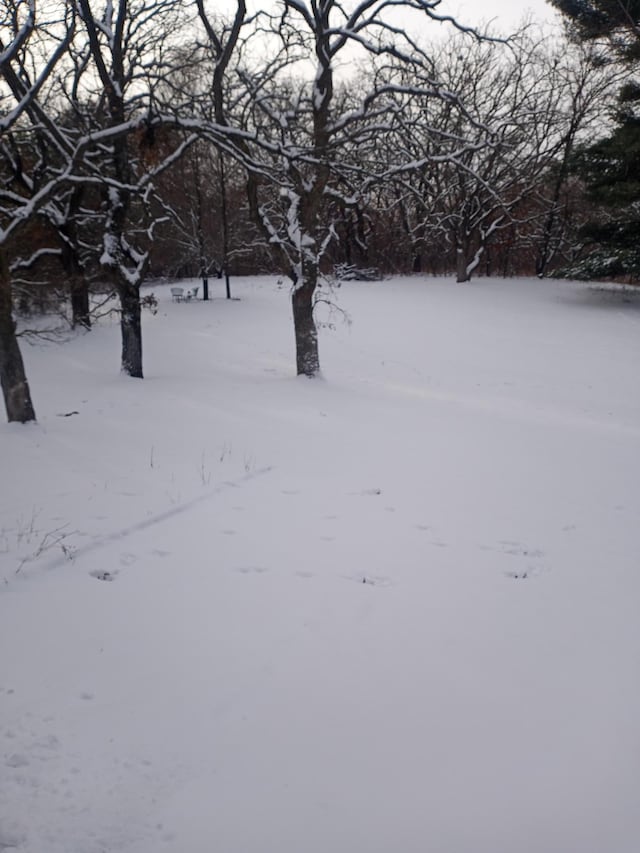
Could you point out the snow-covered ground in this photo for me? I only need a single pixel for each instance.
(395, 609)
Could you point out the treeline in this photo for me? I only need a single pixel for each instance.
(154, 137)
(481, 184)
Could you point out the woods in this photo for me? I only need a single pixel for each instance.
(157, 136)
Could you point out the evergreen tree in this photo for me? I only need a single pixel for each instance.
(616, 22)
(610, 168)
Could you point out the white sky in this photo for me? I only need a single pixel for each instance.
(507, 13)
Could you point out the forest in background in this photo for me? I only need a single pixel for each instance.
(156, 138)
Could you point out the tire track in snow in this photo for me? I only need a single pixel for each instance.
(125, 532)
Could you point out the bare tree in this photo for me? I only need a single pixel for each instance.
(124, 46)
(288, 133)
(114, 57)
(27, 63)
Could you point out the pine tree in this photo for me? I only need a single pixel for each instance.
(616, 22)
(610, 168)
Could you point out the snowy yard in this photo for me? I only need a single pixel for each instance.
(395, 610)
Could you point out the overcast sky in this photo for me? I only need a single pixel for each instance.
(507, 13)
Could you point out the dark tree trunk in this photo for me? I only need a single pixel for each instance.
(80, 309)
(131, 328)
(461, 267)
(78, 284)
(202, 253)
(306, 333)
(225, 226)
(15, 388)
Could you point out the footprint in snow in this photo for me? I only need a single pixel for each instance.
(103, 575)
(250, 570)
(16, 761)
(368, 580)
(524, 552)
(514, 549)
(11, 840)
(521, 576)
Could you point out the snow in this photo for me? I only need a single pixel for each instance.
(392, 609)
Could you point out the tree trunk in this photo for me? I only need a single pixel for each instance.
(15, 388)
(225, 226)
(80, 309)
(306, 333)
(462, 273)
(78, 284)
(131, 328)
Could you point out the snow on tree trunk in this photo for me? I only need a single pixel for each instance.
(15, 388)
